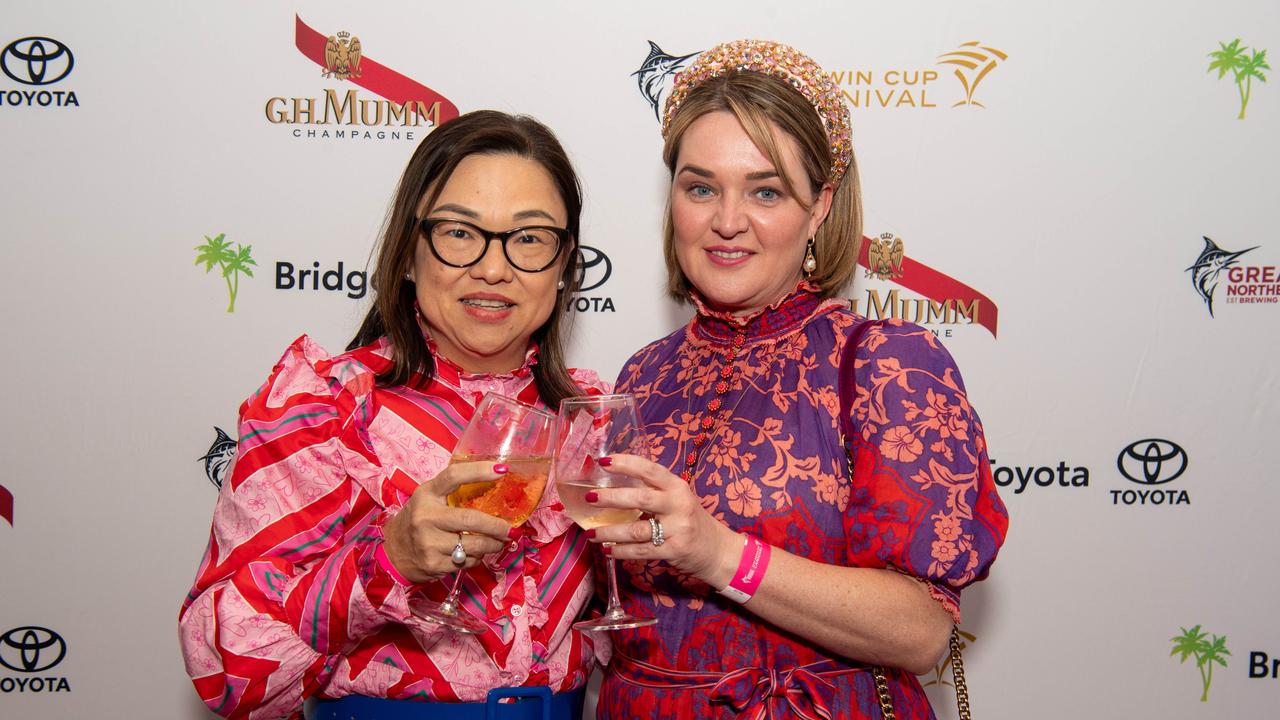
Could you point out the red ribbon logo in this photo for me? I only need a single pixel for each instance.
(920, 278)
(375, 77)
(6, 504)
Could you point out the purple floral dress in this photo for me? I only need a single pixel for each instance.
(774, 465)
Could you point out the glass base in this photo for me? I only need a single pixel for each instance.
(447, 615)
(614, 621)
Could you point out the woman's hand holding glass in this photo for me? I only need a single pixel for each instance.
(420, 539)
(693, 541)
(588, 430)
(493, 483)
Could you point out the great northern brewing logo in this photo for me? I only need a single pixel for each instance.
(923, 295)
(402, 109)
(1246, 283)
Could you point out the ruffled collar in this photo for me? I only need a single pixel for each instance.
(449, 370)
(788, 314)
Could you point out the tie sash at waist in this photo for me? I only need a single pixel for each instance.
(751, 692)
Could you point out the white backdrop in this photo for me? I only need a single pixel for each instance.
(1073, 192)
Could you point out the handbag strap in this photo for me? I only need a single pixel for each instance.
(957, 675)
(847, 388)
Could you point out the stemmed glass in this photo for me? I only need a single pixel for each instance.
(588, 429)
(502, 430)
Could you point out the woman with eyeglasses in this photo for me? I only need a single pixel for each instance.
(333, 516)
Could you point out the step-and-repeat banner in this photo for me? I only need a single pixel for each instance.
(1085, 194)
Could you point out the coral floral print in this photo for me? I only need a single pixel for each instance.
(921, 501)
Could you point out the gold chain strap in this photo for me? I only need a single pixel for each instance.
(882, 690)
(957, 674)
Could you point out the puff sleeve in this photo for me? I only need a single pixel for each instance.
(923, 499)
(290, 578)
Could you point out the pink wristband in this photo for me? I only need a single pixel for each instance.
(751, 568)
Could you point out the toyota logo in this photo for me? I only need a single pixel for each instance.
(31, 649)
(36, 60)
(1152, 461)
(594, 268)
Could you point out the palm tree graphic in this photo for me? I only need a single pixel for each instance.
(1244, 68)
(1193, 642)
(217, 251)
(973, 61)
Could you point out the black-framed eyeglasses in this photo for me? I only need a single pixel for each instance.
(460, 244)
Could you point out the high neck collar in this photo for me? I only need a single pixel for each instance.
(783, 317)
(448, 369)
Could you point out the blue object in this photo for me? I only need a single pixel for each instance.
(531, 703)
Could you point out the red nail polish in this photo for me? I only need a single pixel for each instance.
(514, 533)
(592, 496)
(501, 468)
(591, 533)
(605, 461)
(607, 549)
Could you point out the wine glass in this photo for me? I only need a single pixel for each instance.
(587, 429)
(502, 430)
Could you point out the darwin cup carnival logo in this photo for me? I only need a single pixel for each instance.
(37, 61)
(1151, 462)
(1246, 284)
(221, 452)
(28, 650)
(971, 64)
(403, 109)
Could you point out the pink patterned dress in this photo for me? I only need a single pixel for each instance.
(295, 597)
(921, 502)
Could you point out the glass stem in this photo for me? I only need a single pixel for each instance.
(450, 605)
(615, 606)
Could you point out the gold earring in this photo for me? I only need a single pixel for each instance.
(810, 262)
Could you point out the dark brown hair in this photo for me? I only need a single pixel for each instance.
(757, 100)
(483, 132)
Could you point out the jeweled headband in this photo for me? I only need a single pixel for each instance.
(780, 61)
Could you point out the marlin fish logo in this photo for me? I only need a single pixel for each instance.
(652, 77)
(220, 455)
(1212, 261)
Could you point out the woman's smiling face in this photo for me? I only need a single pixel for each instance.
(482, 316)
(740, 235)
